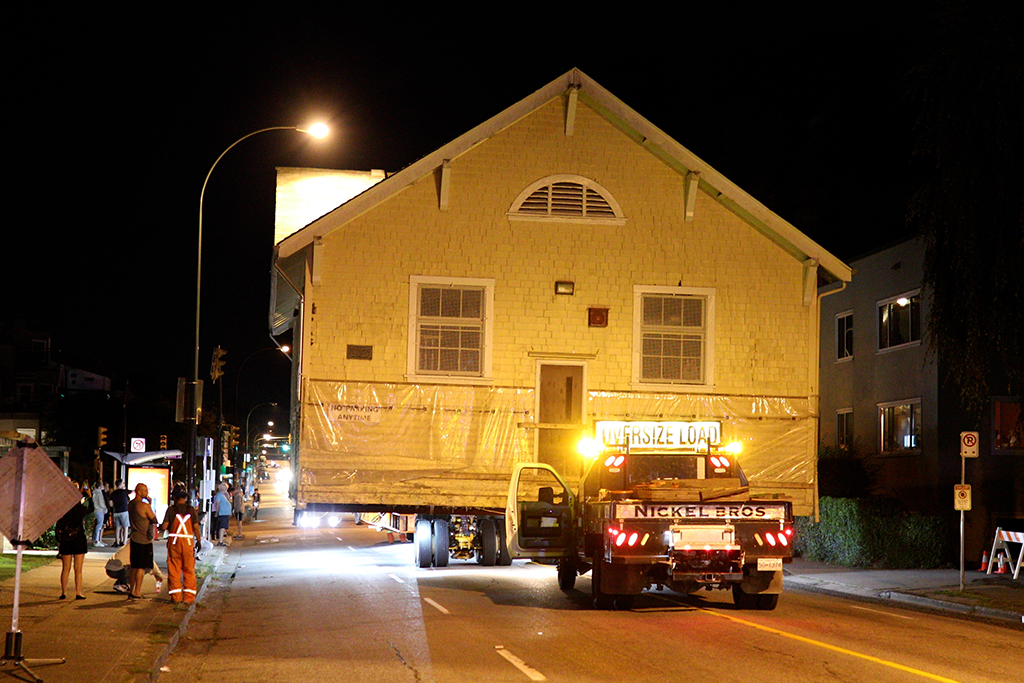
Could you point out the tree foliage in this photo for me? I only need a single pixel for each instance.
(968, 95)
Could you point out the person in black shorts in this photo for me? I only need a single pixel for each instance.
(143, 524)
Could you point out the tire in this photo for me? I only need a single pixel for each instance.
(440, 542)
(424, 543)
(488, 542)
(566, 574)
(743, 600)
(767, 602)
(602, 600)
(624, 602)
(504, 558)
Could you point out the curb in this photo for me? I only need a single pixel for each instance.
(989, 613)
(978, 610)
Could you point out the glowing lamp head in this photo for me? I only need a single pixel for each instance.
(735, 448)
(317, 130)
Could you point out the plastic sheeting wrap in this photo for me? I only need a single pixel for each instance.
(409, 445)
(455, 446)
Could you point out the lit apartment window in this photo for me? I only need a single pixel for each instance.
(672, 334)
(844, 336)
(449, 326)
(844, 428)
(900, 425)
(899, 321)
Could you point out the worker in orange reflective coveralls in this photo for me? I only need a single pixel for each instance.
(182, 521)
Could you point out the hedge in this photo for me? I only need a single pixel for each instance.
(872, 532)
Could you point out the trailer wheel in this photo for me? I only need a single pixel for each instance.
(602, 600)
(440, 542)
(504, 557)
(424, 549)
(566, 574)
(767, 602)
(488, 542)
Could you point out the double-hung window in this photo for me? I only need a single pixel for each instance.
(450, 326)
(899, 425)
(844, 428)
(844, 336)
(899, 321)
(673, 333)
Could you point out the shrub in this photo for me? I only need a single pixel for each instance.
(872, 532)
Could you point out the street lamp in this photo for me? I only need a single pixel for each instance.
(317, 130)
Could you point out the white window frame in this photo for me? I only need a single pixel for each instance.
(416, 282)
(881, 425)
(848, 413)
(708, 293)
(841, 338)
(892, 300)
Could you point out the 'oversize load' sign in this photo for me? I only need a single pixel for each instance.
(756, 511)
(659, 435)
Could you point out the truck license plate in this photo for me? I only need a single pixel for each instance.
(769, 564)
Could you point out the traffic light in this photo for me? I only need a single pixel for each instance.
(101, 436)
(217, 367)
(225, 445)
(235, 436)
(163, 442)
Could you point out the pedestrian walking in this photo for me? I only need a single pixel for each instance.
(222, 506)
(182, 521)
(255, 504)
(72, 544)
(119, 505)
(143, 526)
(99, 511)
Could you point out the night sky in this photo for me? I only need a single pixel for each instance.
(119, 121)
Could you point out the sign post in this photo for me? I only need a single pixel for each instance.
(962, 492)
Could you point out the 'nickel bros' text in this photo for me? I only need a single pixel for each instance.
(709, 511)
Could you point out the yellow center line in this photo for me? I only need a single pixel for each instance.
(811, 641)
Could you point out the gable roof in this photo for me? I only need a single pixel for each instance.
(634, 126)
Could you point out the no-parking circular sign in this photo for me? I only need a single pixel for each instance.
(968, 444)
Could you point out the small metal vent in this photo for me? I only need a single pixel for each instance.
(359, 352)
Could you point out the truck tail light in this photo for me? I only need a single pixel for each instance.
(720, 461)
(628, 539)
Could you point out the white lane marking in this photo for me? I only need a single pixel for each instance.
(436, 606)
(396, 578)
(352, 548)
(878, 611)
(340, 539)
(530, 672)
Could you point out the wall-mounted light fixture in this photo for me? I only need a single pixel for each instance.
(565, 287)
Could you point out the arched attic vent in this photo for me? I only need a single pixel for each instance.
(566, 198)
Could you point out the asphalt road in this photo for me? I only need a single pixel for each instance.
(344, 605)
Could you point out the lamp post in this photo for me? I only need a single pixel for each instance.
(248, 434)
(317, 130)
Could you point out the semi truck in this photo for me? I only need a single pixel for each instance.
(650, 514)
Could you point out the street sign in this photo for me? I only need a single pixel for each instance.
(968, 444)
(138, 445)
(962, 497)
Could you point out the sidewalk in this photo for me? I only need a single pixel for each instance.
(991, 597)
(104, 638)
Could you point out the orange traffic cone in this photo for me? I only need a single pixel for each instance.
(1004, 566)
(984, 561)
